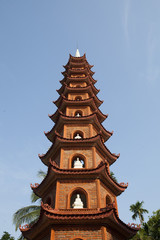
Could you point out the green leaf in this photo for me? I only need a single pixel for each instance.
(35, 198)
(26, 215)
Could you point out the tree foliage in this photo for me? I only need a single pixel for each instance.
(6, 236)
(151, 229)
(138, 211)
(30, 214)
(113, 176)
(153, 225)
(27, 214)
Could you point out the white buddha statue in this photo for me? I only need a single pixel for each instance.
(78, 202)
(78, 115)
(77, 136)
(78, 163)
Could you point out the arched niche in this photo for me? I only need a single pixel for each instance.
(78, 135)
(73, 195)
(108, 200)
(78, 98)
(80, 158)
(77, 238)
(78, 113)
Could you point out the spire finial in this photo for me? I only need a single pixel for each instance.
(77, 53)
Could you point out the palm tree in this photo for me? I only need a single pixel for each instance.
(138, 211)
(29, 214)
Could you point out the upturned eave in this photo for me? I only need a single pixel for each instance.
(65, 88)
(77, 60)
(101, 117)
(88, 79)
(83, 64)
(55, 173)
(72, 103)
(84, 70)
(62, 98)
(50, 218)
(90, 119)
(96, 141)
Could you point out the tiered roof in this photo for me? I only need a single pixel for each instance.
(65, 89)
(101, 117)
(78, 70)
(92, 118)
(60, 142)
(74, 217)
(61, 101)
(56, 173)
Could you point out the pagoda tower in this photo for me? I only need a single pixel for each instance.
(79, 196)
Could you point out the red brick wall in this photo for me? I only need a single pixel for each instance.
(68, 154)
(72, 110)
(94, 234)
(82, 84)
(51, 194)
(86, 152)
(98, 158)
(95, 132)
(113, 236)
(109, 236)
(73, 96)
(66, 188)
(71, 129)
(104, 192)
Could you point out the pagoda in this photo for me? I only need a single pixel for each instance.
(79, 196)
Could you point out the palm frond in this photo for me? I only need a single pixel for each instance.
(34, 197)
(41, 174)
(26, 215)
(138, 211)
(134, 216)
(145, 210)
(133, 208)
(29, 214)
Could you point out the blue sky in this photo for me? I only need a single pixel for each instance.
(121, 39)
